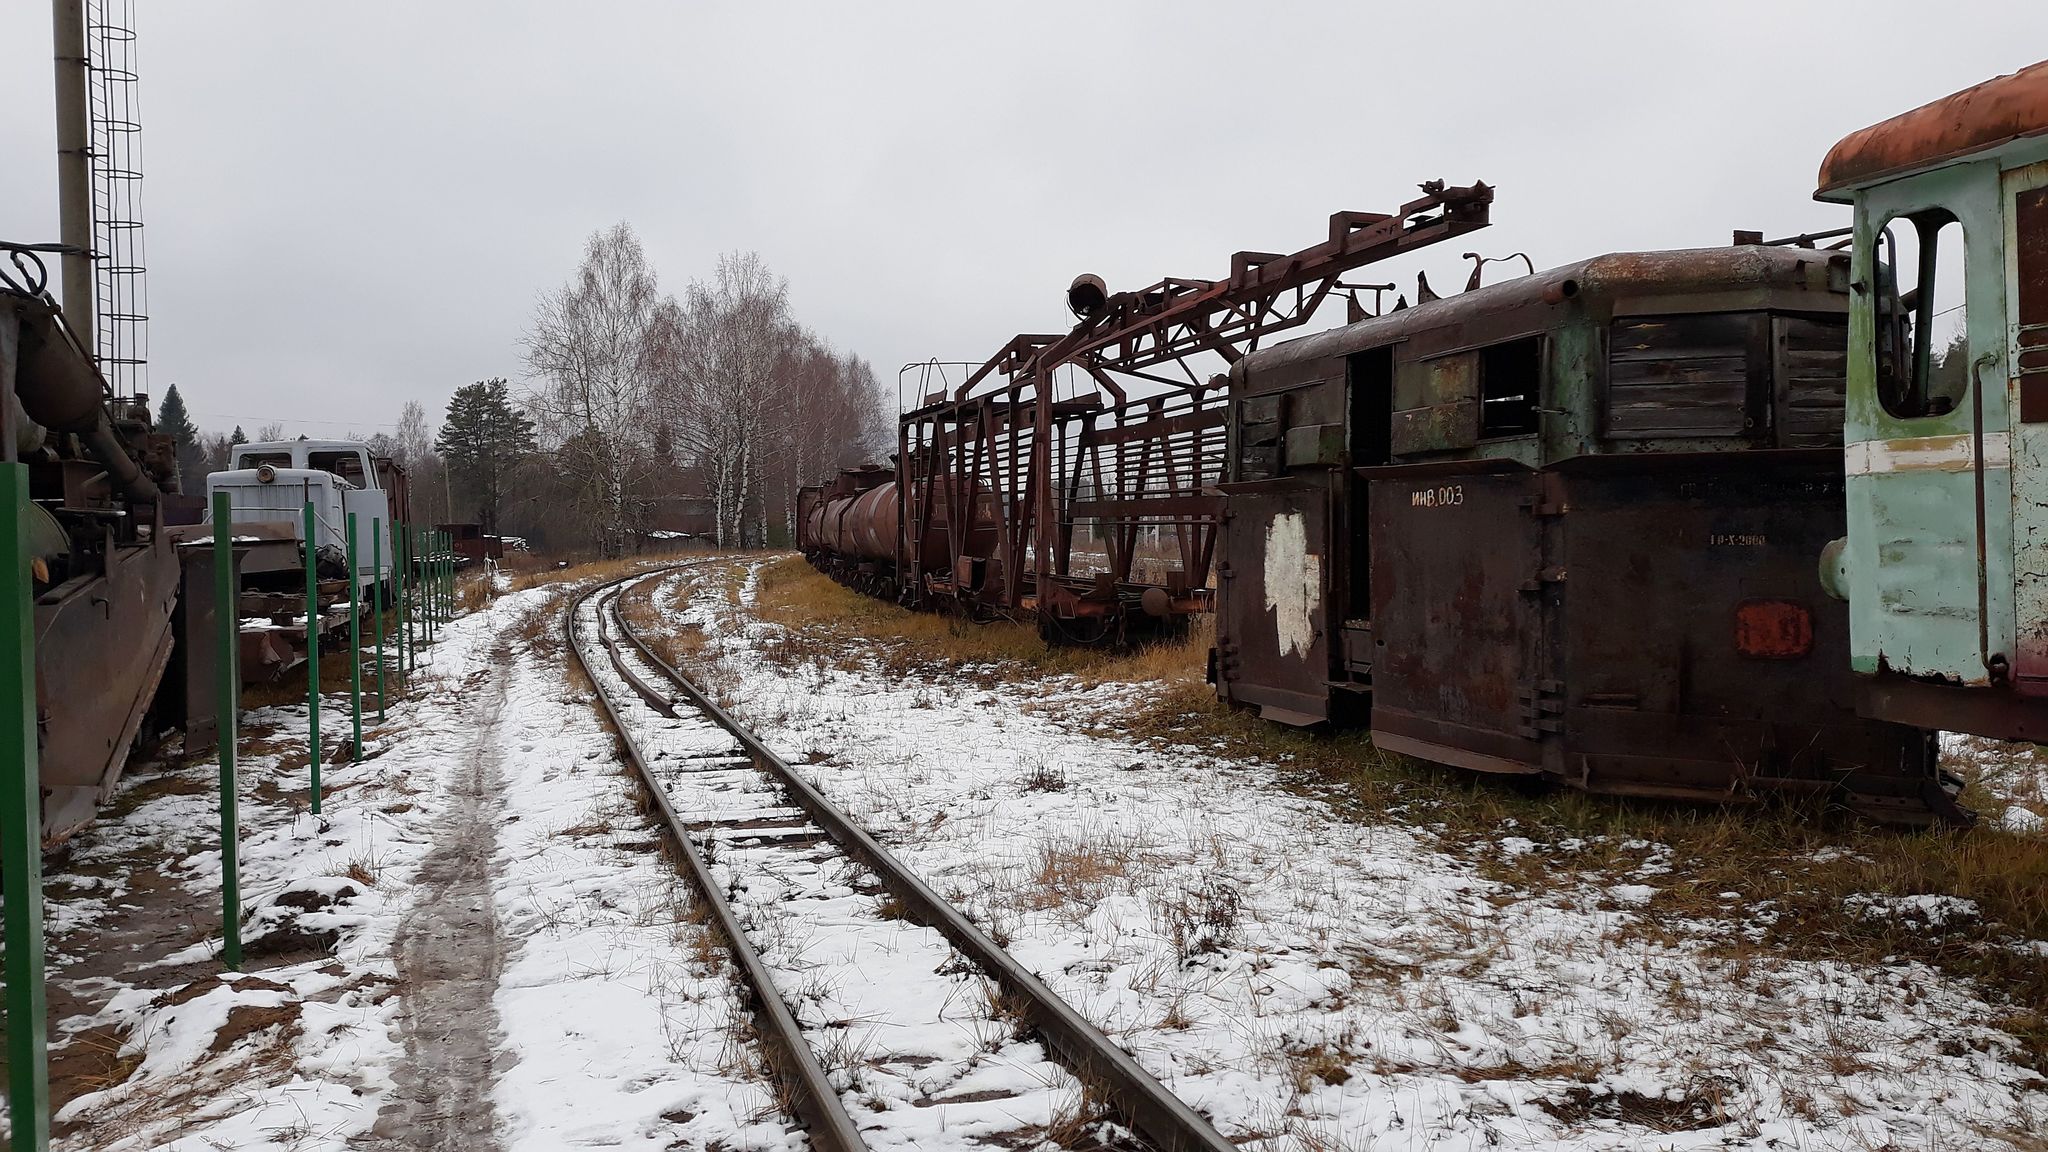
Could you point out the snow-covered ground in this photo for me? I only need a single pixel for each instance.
(911, 1034)
(1317, 983)
(606, 1015)
(297, 1046)
(478, 943)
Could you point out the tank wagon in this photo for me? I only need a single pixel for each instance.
(849, 528)
(1945, 559)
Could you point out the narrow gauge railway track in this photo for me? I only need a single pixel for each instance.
(715, 785)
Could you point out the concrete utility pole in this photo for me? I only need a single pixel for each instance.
(74, 170)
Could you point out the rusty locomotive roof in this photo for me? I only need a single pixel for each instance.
(2011, 107)
(1670, 272)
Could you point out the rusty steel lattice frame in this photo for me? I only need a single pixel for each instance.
(1131, 451)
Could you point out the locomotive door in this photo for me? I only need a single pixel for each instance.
(1458, 582)
(1927, 452)
(2026, 277)
(1271, 628)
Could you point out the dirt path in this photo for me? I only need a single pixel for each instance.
(449, 958)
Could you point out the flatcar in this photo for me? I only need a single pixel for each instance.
(1566, 525)
(1945, 559)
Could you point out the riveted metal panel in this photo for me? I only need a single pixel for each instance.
(1458, 585)
(1728, 672)
(1272, 622)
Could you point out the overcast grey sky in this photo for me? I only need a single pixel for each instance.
(352, 205)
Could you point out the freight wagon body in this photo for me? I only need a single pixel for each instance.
(1566, 525)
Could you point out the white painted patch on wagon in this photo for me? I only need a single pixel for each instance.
(1293, 591)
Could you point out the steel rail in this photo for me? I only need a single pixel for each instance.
(815, 1100)
(1154, 1112)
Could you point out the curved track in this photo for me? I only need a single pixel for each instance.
(723, 754)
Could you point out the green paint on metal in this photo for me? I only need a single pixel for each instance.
(228, 723)
(313, 654)
(377, 605)
(401, 550)
(1913, 551)
(21, 826)
(427, 583)
(355, 643)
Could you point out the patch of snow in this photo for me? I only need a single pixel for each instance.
(1931, 908)
(1311, 981)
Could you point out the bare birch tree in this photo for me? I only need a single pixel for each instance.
(721, 349)
(592, 348)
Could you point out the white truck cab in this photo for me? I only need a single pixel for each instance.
(269, 486)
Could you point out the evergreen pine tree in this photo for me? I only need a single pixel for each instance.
(483, 436)
(173, 421)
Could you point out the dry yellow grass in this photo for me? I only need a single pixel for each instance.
(825, 621)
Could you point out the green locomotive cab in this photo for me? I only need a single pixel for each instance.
(1945, 565)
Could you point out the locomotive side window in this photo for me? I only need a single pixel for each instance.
(1259, 430)
(1683, 376)
(1510, 382)
(1922, 346)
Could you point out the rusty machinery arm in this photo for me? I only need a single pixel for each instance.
(1265, 293)
(1127, 333)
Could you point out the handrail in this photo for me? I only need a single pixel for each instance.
(1994, 663)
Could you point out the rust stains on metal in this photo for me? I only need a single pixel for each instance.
(2010, 107)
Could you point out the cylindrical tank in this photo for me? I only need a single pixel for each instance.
(871, 524)
(863, 526)
(814, 527)
(982, 523)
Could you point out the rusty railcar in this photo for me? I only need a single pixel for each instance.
(1070, 478)
(851, 528)
(1566, 525)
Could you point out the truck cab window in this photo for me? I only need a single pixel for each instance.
(347, 465)
(1922, 343)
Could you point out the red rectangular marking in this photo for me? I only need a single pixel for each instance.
(1773, 629)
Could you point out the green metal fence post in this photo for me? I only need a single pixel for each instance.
(21, 826)
(440, 602)
(419, 591)
(440, 585)
(313, 653)
(355, 641)
(377, 604)
(401, 553)
(227, 710)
